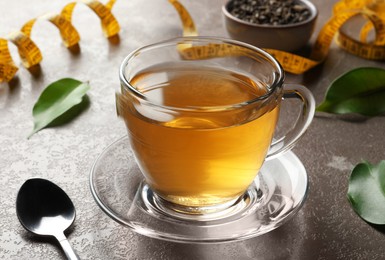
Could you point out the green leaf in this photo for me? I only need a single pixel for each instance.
(366, 192)
(59, 103)
(72, 113)
(360, 91)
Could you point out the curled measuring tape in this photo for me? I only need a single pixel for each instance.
(108, 21)
(189, 28)
(68, 33)
(7, 67)
(343, 11)
(30, 53)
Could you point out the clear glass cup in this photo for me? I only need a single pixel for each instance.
(201, 114)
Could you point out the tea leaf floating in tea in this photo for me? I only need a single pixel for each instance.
(59, 103)
(360, 91)
(366, 192)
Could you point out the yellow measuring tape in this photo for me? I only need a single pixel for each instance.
(68, 33)
(108, 21)
(373, 11)
(187, 22)
(7, 67)
(29, 52)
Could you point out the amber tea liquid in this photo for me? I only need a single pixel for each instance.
(198, 158)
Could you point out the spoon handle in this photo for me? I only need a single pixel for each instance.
(67, 248)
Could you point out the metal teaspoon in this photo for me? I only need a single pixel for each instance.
(43, 208)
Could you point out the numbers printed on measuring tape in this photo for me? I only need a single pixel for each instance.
(7, 67)
(29, 52)
(372, 10)
(109, 23)
(68, 33)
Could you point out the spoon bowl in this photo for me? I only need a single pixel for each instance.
(44, 209)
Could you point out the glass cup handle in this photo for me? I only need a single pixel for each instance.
(286, 142)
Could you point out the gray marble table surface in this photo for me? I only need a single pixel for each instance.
(325, 228)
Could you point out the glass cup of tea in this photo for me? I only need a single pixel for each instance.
(201, 114)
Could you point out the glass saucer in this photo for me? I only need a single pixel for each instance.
(276, 194)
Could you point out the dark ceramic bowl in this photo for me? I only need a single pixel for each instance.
(290, 37)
